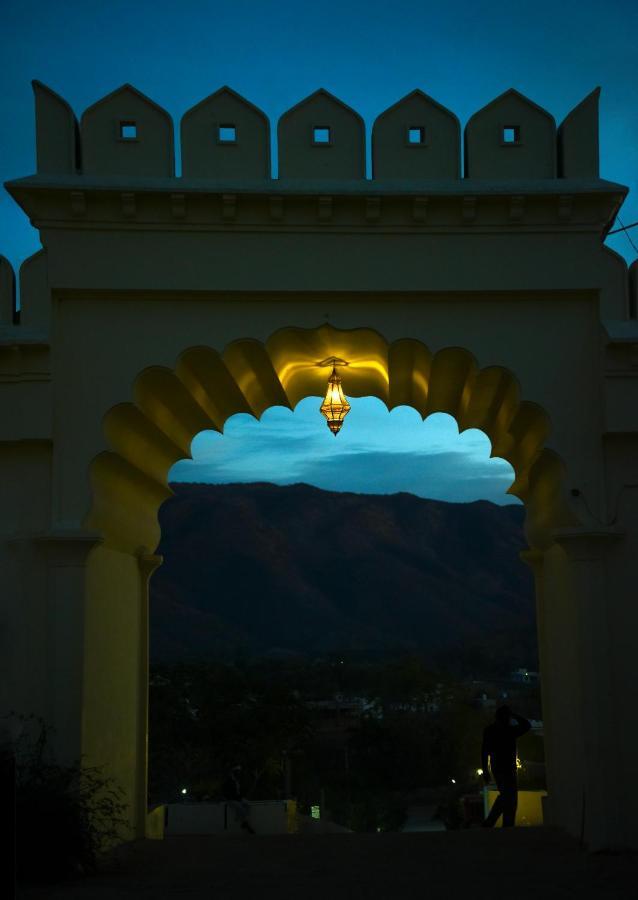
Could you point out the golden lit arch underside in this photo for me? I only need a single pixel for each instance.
(205, 388)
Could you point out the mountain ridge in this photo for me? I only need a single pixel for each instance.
(259, 569)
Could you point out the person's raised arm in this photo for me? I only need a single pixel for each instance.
(522, 725)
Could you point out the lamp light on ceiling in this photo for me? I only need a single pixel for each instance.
(335, 406)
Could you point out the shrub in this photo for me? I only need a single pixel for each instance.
(66, 816)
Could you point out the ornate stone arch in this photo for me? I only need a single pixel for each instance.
(147, 436)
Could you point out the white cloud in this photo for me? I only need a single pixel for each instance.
(375, 452)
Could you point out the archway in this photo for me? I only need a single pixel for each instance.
(171, 406)
(507, 262)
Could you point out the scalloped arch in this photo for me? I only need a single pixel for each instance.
(170, 406)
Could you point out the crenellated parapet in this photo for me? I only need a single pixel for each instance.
(110, 180)
(225, 137)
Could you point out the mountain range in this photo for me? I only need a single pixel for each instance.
(253, 570)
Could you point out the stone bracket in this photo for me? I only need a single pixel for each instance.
(229, 207)
(517, 208)
(324, 209)
(276, 208)
(420, 209)
(129, 205)
(373, 210)
(77, 200)
(178, 206)
(468, 209)
(565, 204)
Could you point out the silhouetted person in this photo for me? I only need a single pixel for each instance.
(499, 752)
(235, 799)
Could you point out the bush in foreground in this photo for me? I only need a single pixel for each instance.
(65, 815)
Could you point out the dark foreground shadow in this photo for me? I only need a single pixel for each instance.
(529, 862)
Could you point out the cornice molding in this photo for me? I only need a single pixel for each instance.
(555, 205)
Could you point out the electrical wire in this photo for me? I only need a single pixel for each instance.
(626, 230)
(624, 227)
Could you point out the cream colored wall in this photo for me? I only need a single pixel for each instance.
(25, 491)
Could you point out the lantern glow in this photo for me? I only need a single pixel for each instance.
(335, 406)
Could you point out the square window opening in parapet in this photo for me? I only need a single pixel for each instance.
(416, 135)
(511, 134)
(128, 131)
(321, 135)
(227, 134)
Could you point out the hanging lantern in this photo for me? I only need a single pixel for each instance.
(335, 406)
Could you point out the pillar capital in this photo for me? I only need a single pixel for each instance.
(66, 548)
(148, 562)
(582, 544)
(534, 559)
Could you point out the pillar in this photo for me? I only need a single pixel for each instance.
(535, 560)
(602, 789)
(148, 563)
(65, 553)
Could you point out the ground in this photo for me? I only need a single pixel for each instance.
(520, 864)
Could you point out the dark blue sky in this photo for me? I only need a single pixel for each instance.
(369, 54)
